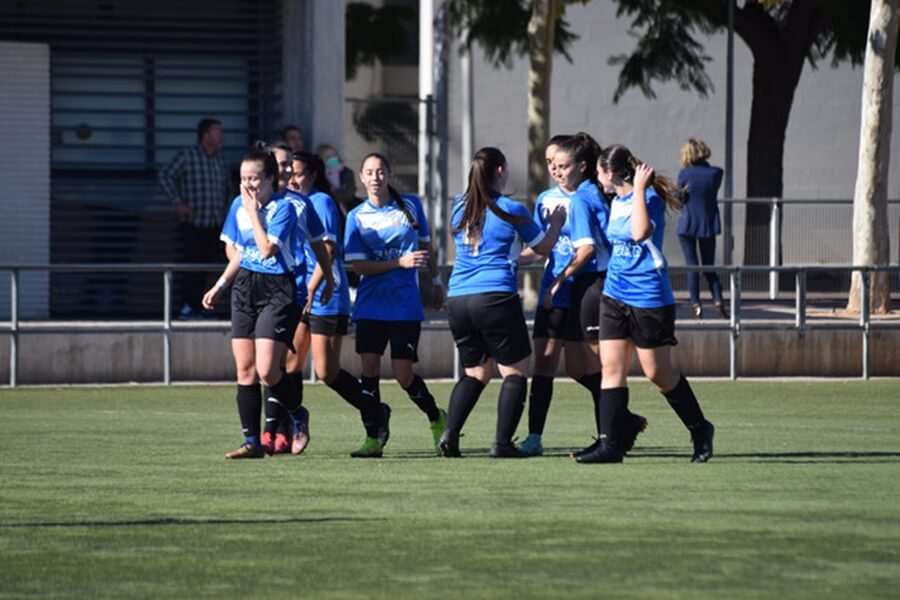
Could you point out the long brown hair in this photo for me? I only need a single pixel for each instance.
(393, 193)
(313, 165)
(619, 160)
(479, 197)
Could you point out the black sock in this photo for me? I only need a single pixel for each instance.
(348, 387)
(592, 384)
(612, 402)
(419, 394)
(276, 416)
(682, 400)
(539, 403)
(370, 387)
(510, 406)
(463, 399)
(372, 414)
(286, 394)
(249, 404)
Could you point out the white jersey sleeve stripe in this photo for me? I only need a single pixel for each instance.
(586, 241)
(537, 239)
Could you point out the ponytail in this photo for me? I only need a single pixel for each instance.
(479, 196)
(619, 161)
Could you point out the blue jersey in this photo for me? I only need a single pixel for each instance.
(280, 221)
(638, 274)
(381, 234)
(491, 265)
(590, 217)
(328, 214)
(564, 249)
(309, 229)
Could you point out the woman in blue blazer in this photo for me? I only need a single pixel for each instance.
(699, 224)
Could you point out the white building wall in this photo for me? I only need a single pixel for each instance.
(822, 138)
(25, 172)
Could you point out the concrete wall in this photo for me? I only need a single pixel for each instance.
(114, 358)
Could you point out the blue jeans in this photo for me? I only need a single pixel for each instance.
(707, 247)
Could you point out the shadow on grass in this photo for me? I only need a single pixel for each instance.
(836, 456)
(158, 522)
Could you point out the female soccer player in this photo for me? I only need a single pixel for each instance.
(383, 240)
(308, 241)
(569, 313)
(484, 308)
(323, 324)
(638, 313)
(262, 227)
(576, 171)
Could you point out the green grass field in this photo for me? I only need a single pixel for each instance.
(123, 492)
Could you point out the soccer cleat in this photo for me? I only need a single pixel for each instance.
(283, 443)
(587, 450)
(371, 448)
(437, 429)
(448, 445)
(532, 445)
(384, 432)
(635, 425)
(603, 453)
(301, 432)
(506, 450)
(702, 437)
(247, 450)
(268, 443)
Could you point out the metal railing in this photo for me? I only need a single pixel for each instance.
(735, 325)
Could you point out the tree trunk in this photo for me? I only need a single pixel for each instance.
(779, 52)
(870, 229)
(540, 33)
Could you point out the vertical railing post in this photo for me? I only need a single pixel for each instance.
(735, 284)
(774, 218)
(167, 327)
(864, 320)
(800, 290)
(13, 327)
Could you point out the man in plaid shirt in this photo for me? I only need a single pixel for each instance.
(196, 181)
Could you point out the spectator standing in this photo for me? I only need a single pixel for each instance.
(699, 223)
(197, 183)
(294, 138)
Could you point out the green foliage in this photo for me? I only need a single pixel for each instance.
(374, 34)
(122, 492)
(669, 48)
(500, 27)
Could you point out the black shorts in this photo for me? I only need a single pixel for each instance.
(372, 337)
(550, 323)
(330, 325)
(648, 327)
(586, 291)
(488, 325)
(262, 306)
